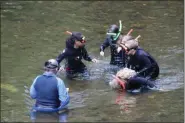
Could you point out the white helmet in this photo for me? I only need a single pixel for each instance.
(51, 64)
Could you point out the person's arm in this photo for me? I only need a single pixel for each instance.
(105, 44)
(130, 63)
(33, 92)
(61, 56)
(146, 63)
(62, 91)
(141, 81)
(86, 55)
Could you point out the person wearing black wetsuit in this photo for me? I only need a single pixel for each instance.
(141, 61)
(117, 58)
(74, 52)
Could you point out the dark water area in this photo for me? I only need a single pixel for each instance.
(33, 31)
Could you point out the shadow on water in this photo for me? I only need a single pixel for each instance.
(32, 32)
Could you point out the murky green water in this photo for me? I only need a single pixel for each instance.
(32, 32)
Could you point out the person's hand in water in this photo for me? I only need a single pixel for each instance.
(95, 60)
(101, 53)
(61, 69)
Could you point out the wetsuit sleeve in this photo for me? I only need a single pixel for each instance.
(62, 91)
(33, 92)
(86, 55)
(141, 81)
(61, 56)
(105, 44)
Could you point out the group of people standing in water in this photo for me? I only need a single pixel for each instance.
(50, 91)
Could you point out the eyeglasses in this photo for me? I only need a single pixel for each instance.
(128, 49)
(125, 47)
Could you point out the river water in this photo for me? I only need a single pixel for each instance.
(33, 31)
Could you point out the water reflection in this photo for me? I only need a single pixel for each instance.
(125, 102)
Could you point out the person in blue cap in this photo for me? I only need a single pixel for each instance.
(48, 90)
(74, 52)
(113, 37)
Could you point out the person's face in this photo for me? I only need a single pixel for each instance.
(130, 52)
(127, 50)
(113, 37)
(80, 43)
(55, 70)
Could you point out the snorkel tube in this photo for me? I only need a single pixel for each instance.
(116, 35)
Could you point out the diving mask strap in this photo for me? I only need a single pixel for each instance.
(114, 34)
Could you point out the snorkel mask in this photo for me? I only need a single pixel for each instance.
(116, 35)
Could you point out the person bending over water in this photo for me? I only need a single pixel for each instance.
(140, 60)
(128, 79)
